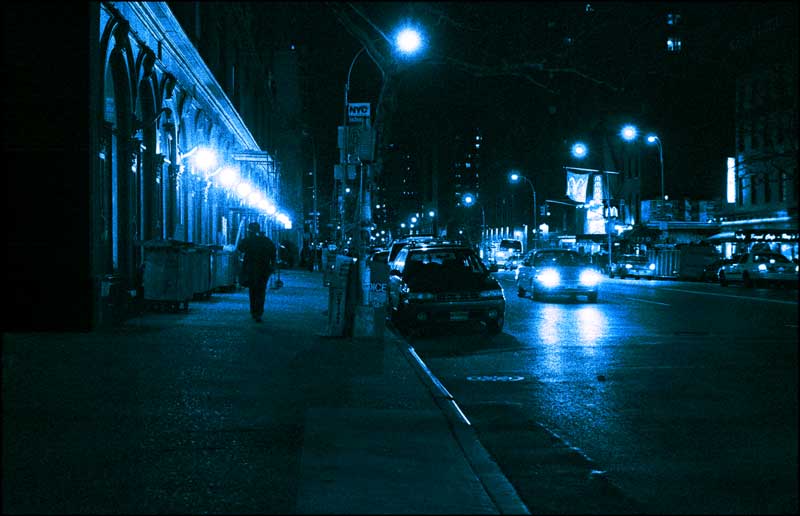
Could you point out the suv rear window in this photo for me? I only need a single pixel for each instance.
(514, 245)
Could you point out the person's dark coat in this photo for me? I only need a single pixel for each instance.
(259, 258)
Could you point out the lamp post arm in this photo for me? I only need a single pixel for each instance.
(661, 162)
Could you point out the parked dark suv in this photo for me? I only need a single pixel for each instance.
(443, 283)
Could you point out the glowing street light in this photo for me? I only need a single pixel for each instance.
(514, 177)
(579, 150)
(468, 199)
(408, 41)
(629, 132)
(228, 177)
(205, 159)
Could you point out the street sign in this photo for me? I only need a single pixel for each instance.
(356, 111)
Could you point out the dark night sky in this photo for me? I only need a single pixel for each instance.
(688, 99)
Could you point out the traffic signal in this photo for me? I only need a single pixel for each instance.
(543, 211)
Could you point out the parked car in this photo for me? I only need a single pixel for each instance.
(711, 271)
(400, 243)
(633, 265)
(548, 272)
(757, 269)
(439, 283)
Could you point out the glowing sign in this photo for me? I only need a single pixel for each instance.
(731, 180)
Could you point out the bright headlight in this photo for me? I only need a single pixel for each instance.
(590, 278)
(652, 266)
(549, 278)
(628, 266)
(762, 266)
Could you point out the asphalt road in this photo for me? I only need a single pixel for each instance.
(664, 397)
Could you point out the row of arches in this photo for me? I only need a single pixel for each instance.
(144, 185)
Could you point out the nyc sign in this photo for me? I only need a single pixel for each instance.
(357, 111)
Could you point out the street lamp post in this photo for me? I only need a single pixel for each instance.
(366, 324)
(469, 200)
(655, 139)
(515, 177)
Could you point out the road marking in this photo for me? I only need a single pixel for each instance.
(733, 296)
(646, 301)
(495, 378)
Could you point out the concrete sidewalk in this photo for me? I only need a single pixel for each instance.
(207, 411)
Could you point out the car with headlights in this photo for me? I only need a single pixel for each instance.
(633, 266)
(756, 269)
(442, 283)
(550, 272)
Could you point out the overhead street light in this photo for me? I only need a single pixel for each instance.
(514, 177)
(579, 150)
(655, 139)
(407, 42)
(629, 132)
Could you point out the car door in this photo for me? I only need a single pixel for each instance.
(737, 268)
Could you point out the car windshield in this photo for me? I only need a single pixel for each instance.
(511, 245)
(443, 262)
(557, 258)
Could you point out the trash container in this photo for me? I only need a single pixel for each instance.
(223, 272)
(340, 279)
(200, 257)
(167, 275)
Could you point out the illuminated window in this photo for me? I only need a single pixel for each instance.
(674, 44)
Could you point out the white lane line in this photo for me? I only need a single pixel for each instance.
(646, 301)
(779, 301)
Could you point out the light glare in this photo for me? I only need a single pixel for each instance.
(408, 41)
(629, 132)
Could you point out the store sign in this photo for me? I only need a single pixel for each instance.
(765, 236)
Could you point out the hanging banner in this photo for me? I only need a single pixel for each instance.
(576, 186)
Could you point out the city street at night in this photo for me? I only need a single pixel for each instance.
(401, 257)
(677, 397)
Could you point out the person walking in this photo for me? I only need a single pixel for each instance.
(257, 266)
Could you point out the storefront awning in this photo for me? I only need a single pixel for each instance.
(725, 236)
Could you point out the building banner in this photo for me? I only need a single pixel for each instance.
(576, 186)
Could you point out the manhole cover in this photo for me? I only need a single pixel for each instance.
(495, 378)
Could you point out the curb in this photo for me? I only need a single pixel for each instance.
(491, 477)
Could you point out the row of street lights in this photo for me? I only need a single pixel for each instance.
(205, 160)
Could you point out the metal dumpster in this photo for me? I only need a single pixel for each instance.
(167, 275)
(200, 258)
(223, 268)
